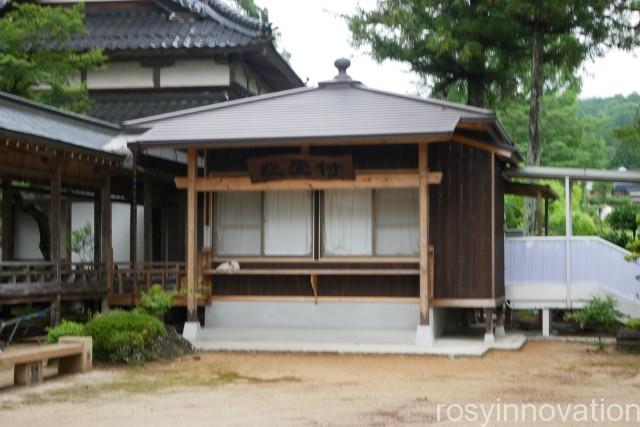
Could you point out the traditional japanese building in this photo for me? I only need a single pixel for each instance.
(167, 55)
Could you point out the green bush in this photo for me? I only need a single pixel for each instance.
(124, 336)
(633, 324)
(65, 328)
(601, 314)
(156, 302)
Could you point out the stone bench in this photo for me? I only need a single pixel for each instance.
(74, 355)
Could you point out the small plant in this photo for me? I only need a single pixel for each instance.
(156, 302)
(633, 324)
(81, 243)
(65, 328)
(601, 314)
(202, 290)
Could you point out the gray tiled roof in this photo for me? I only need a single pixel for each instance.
(137, 28)
(340, 108)
(24, 117)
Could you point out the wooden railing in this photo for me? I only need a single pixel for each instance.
(131, 279)
(25, 279)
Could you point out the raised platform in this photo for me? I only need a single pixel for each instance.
(358, 341)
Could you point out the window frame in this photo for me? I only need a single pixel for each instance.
(262, 256)
(374, 257)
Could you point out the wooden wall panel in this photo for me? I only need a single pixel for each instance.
(460, 220)
(499, 230)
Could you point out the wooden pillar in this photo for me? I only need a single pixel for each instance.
(7, 219)
(106, 251)
(192, 303)
(148, 219)
(423, 165)
(97, 227)
(55, 209)
(546, 216)
(133, 218)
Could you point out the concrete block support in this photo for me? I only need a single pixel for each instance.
(426, 334)
(489, 337)
(191, 331)
(546, 322)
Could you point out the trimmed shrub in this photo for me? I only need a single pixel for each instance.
(65, 328)
(124, 336)
(156, 302)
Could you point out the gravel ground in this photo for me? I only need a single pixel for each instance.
(230, 389)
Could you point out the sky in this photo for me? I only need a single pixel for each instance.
(315, 35)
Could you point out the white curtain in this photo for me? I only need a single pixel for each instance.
(288, 223)
(397, 222)
(238, 217)
(347, 222)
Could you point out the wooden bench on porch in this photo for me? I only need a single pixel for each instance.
(74, 355)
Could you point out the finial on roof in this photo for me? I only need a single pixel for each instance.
(342, 64)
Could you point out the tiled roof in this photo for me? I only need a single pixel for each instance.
(137, 28)
(25, 117)
(118, 107)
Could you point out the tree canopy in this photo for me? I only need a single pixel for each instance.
(463, 45)
(29, 67)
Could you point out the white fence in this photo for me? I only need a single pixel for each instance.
(536, 272)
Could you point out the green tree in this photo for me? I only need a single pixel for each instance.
(570, 139)
(561, 35)
(34, 62)
(624, 218)
(463, 46)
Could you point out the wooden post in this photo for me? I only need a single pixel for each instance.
(148, 219)
(133, 218)
(55, 209)
(423, 165)
(192, 303)
(105, 222)
(7, 218)
(97, 227)
(546, 217)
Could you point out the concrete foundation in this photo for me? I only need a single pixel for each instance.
(191, 331)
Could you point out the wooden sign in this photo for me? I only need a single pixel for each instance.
(296, 166)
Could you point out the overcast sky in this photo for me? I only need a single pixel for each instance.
(315, 35)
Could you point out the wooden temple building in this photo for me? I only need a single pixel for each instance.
(258, 200)
(339, 195)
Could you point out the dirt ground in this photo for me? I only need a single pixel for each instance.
(234, 389)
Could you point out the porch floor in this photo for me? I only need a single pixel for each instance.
(366, 341)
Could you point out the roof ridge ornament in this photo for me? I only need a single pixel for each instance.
(342, 64)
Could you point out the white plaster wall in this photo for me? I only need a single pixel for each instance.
(27, 237)
(194, 73)
(256, 85)
(83, 212)
(120, 232)
(116, 75)
(306, 314)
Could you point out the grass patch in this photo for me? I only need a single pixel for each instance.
(618, 365)
(142, 380)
